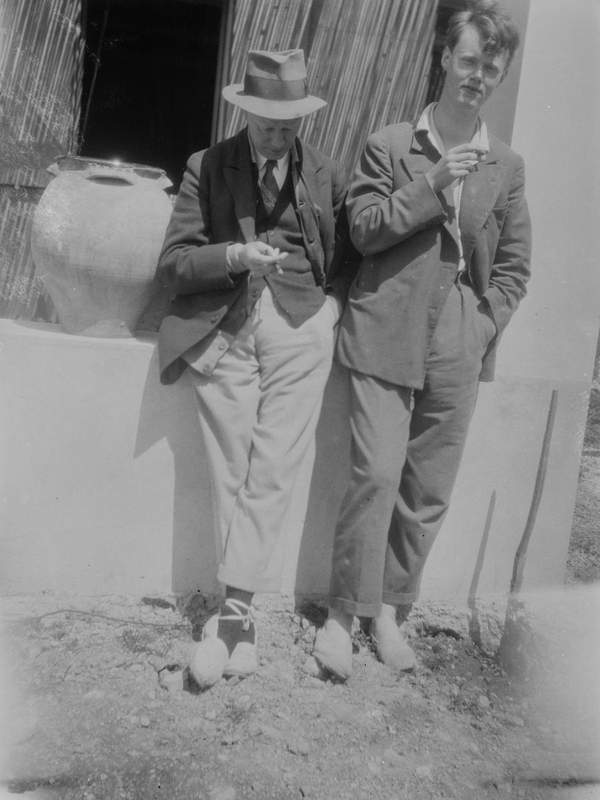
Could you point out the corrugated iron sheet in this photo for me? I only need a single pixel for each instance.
(40, 76)
(370, 59)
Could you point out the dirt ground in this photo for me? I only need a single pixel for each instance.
(98, 706)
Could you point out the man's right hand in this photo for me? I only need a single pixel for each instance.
(458, 162)
(257, 258)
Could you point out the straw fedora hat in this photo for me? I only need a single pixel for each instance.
(274, 86)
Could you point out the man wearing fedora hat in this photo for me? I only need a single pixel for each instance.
(249, 255)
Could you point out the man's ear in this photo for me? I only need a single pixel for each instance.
(445, 60)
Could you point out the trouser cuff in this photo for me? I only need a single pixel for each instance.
(399, 598)
(354, 607)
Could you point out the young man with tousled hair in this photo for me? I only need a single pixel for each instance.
(438, 212)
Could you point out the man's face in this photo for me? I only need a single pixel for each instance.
(272, 137)
(471, 74)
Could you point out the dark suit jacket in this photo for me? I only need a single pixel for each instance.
(215, 207)
(408, 240)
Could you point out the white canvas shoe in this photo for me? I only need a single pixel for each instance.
(333, 646)
(243, 660)
(208, 659)
(391, 643)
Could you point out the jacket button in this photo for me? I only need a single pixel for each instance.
(222, 345)
(206, 369)
(214, 318)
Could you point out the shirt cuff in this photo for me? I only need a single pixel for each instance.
(232, 258)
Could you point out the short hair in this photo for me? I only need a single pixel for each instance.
(498, 31)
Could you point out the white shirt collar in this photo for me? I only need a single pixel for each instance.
(260, 160)
(426, 123)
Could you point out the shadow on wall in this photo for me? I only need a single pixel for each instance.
(327, 487)
(169, 412)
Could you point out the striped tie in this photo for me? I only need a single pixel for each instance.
(268, 186)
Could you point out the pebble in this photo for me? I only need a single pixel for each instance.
(269, 732)
(374, 766)
(94, 694)
(170, 681)
(243, 703)
(393, 759)
(424, 771)
(311, 667)
(144, 721)
(299, 747)
(483, 701)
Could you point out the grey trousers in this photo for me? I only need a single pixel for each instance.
(405, 453)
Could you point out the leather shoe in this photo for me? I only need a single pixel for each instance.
(333, 649)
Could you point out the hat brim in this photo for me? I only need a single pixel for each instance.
(271, 109)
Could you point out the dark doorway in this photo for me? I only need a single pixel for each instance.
(150, 70)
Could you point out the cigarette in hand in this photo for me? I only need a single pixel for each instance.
(280, 256)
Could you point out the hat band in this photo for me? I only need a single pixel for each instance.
(269, 89)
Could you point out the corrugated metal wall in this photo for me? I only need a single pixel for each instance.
(40, 63)
(370, 59)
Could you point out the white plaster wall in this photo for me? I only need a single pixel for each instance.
(104, 487)
(101, 483)
(557, 131)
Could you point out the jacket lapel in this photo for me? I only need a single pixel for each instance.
(479, 194)
(421, 157)
(239, 177)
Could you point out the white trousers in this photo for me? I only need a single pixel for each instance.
(258, 414)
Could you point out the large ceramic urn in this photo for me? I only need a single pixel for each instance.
(95, 240)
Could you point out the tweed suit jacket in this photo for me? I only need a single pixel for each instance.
(216, 206)
(409, 244)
